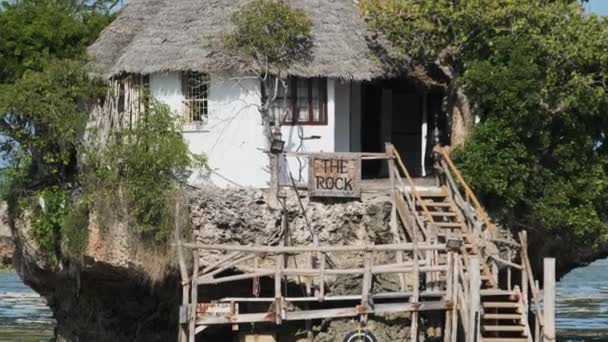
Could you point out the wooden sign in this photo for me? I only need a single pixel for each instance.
(334, 175)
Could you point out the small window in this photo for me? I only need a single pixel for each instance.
(196, 91)
(304, 102)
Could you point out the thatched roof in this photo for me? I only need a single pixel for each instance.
(151, 36)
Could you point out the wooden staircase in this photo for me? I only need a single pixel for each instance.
(439, 209)
(502, 317)
(503, 314)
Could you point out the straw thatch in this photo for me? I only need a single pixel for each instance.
(152, 36)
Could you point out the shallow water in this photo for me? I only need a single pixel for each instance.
(582, 304)
(24, 315)
(581, 308)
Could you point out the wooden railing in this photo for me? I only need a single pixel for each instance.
(528, 280)
(477, 217)
(255, 262)
(412, 197)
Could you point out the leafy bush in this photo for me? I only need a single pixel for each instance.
(140, 168)
(48, 215)
(75, 233)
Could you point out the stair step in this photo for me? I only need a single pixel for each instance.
(509, 328)
(432, 194)
(502, 316)
(496, 292)
(504, 339)
(443, 213)
(500, 305)
(448, 225)
(435, 204)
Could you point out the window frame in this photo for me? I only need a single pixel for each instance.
(292, 102)
(189, 99)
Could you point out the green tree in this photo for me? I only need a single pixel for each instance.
(269, 37)
(44, 86)
(534, 73)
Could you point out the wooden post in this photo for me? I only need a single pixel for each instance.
(549, 299)
(510, 259)
(367, 282)
(537, 327)
(449, 297)
(194, 297)
(524, 273)
(183, 328)
(455, 289)
(415, 296)
(475, 286)
(278, 297)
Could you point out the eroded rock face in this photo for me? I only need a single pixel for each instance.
(108, 296)
(7, 246)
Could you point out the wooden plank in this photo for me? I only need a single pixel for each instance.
(183, 328)
(278, 296)
(474, 308)
(337, 298)
(393, 221)
(194, 297)
(415, 297)
(367, 282)
(549, 299)
(322, 278)
(449, 288)
(321, 249)
(345, 312)
(359, 155)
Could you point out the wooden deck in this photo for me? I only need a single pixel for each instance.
(436, 259)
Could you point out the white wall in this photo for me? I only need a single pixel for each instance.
(291, 135)
(167, 88)
(233, 138)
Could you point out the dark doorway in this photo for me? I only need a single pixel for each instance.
(393, 111)
(371, 138)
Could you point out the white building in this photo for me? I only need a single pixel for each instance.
(346, 100)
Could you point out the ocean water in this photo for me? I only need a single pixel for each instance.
(582, 304)
(581, 307)
(24, 315)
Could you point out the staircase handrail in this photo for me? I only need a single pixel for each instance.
(532, 283)
(461, 291)
(413, 196)
(468, 193)
(522, 308)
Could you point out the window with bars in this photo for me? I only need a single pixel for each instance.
(195, 87)
(303, 103)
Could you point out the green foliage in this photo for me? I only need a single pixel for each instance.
(44, 84)
(536, 73)
(48, 215)
(44, 93)
(142, 167)
(269, 36)
(36, 31)
(42, 117)
(75, 233)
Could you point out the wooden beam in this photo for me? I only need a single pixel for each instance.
(345, 312)
(474, 308)
(549, 299)
(321, 249)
